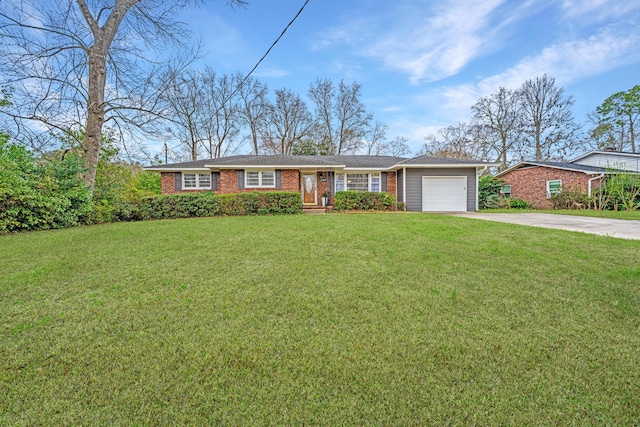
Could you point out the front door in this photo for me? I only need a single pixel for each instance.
(309, 189)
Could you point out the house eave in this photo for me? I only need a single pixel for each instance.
(445, 166)
(610, 153)
(530, 164)
(161, 169)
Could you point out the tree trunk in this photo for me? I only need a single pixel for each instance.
(95, 112)
(102, 39)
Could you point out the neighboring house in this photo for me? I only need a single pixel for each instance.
(423, 183)
(610, 160)
(535, 182)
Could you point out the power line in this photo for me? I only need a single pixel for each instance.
(271, 47)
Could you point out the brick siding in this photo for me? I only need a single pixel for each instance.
(530, 184)
(228, 183)
(168, 182)
(391, 183)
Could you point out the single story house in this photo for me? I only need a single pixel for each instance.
(535, 182)
(423, 183)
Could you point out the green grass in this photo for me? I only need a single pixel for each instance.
(384, 319)
(632, 215)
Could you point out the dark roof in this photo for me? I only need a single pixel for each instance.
(362, 161)
(347, 161)
(557, 165)
(355, 161)
(436, 160)
(273, 160)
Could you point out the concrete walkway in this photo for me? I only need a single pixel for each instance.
(621, 228)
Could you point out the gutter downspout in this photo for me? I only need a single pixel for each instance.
(589, 184)
(404, 187)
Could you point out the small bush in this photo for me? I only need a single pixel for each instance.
(570, 199)
(363, 201)
(496, 201)
(488, 187)
(518, 203)
(209, 204)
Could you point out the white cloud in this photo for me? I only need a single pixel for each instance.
(567, 62)
(425, 40)
(439, 45)
(598, 9)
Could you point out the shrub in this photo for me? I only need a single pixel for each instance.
(496, 201)
(570, 199)
(518, 203)
(489, 186)
(619, 192)
(357, 200)
(207, 203)
(39, 194)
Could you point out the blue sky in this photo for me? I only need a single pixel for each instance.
(423, 63)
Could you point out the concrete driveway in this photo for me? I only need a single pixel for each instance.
(621, 228)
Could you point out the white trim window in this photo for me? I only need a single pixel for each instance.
(359, 181)
(554, 186)
(196, 181)
(505, 190)
(260, 179)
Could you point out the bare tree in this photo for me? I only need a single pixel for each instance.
(183, 98)
(375, 139)
(253, 108)
(219, 121)
(78, 64)
(499, 117)
(398, 147)
(457, 141)
(549, 126)
(289, 123)
(341, 118)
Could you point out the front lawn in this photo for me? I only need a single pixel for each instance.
(384, 319)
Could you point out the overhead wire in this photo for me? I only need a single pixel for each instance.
(270, 47)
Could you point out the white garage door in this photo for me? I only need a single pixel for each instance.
(444, 193)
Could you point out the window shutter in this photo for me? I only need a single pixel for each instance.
(331, 180)
(278, 179)
(214, 180)
(383, 183)
(240, 179)
(178, 179)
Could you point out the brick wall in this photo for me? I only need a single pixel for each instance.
(168, 182)
(229, 182)
(530, 184)
(324, 187)
(391, 182)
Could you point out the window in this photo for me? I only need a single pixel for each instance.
(260, 179)
(554, 187)
(358, 181)
(375, 182)
(196, 181)
(505, 190)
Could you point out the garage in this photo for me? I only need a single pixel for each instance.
(444, 193)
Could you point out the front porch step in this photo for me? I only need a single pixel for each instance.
(314, 210)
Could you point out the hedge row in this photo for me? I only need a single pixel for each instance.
(364, 201)
(211, 204)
